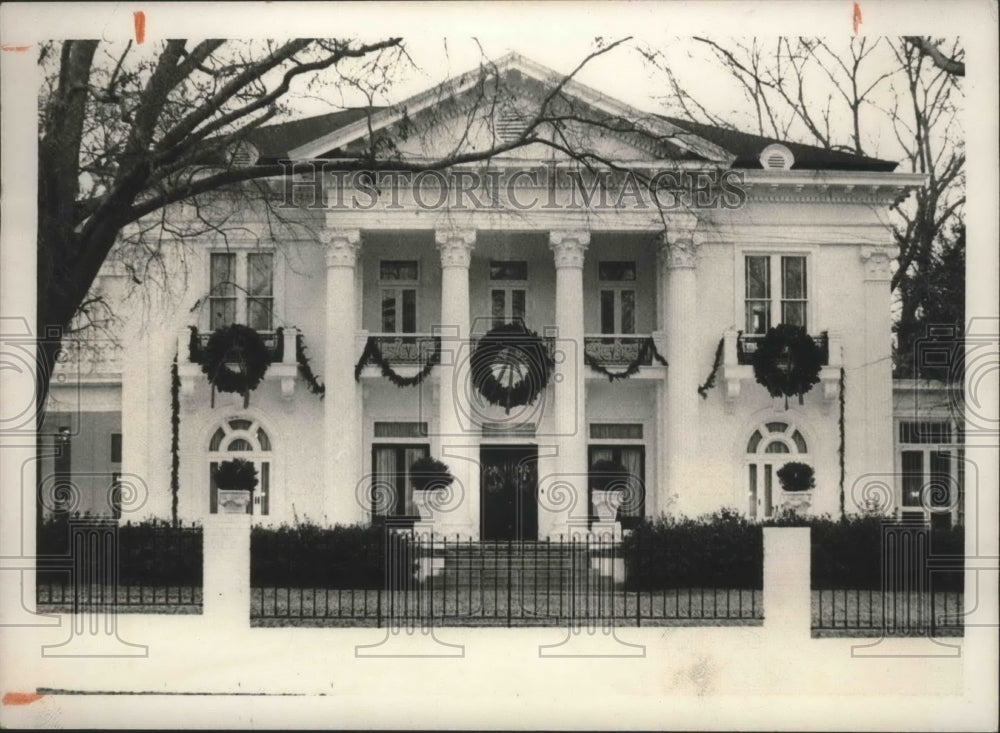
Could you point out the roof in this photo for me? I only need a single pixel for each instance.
(747, 149)
(276, 140)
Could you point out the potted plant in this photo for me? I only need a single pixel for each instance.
(608, 484)
(428, 475)
(797, 480)
(236, 480)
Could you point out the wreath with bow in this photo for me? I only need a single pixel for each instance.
(510, 366)
(787, 362)
(235, 359)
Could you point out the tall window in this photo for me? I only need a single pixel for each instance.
(400, 281)
(932, 465)
(242, 438)
(766, 275)
(116, 489)
(770, 447)
(621, 443)
(392, 491)
(242, 289)
(508, 290)
(617, 294)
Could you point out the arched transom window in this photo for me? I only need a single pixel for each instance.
(242, 438)
(769, 447)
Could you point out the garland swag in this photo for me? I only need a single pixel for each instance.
(373, 354)
(510, 366)
(175, 438)
(787, 362)
(305, 368)
(239, 345)
(842, 441)
(648, 350)
(716, 363)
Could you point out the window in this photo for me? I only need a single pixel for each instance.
(391, 490)
(770, 447)
(508, 290)
(769, 274)
(633, 458)
(400, 280)
(116, 447)
(617, 294)
(242, 290)
(616, 431)
(242, 438)
(931, 462)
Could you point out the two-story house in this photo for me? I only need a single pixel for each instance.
(635, 302)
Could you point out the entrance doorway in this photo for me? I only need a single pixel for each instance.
(508, 488)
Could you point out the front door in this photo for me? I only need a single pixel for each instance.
(508, 486)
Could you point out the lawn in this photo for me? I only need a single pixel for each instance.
(55, 598)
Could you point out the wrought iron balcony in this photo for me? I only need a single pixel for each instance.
(405, 349)
(272, 340)
(746, 347)
(618, 349)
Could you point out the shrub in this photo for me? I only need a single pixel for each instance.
(429, 473)
(310, 556)
(237, 473)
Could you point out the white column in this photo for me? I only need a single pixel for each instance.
(570, 421)
(678, 259)
(459, 445)
(876, 374)
(342, 415)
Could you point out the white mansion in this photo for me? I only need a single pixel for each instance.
(380, 290)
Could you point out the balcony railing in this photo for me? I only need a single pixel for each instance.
(746, 347)
(272, 340)
(409, 349)
(617, 349)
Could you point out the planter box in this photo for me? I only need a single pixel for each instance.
(233, 501)
(606, 504)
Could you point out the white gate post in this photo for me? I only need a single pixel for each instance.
(787, 571)
(226, 577)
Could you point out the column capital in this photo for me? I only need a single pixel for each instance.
(877, 259)
(678, 254)
(569, 246)
(455, 246)
(342, 246)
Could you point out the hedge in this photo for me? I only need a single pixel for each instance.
(310, 556)
(150, 553)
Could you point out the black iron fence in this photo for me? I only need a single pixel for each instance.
(867, 612)
(87, 564)
(441, 581)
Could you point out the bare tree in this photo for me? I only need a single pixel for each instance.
(898, 98)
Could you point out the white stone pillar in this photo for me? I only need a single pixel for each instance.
(342, 416)
(875, 377)
(459, 444)
(787, 576)
(569, 387)
(678, 259)
(226, 579)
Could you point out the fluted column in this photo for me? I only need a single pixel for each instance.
(341, 408)
(678, 260)
(570, 421)
(459, 445)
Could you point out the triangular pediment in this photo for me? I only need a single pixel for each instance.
(496, 106)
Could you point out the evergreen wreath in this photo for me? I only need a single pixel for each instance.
(175, 438)
(787, 361)
(510, 366)
(796, 476)
(236, 474)
(716, 363)
(373, 354)
(239, 345)
(647, 351)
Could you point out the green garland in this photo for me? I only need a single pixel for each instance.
(175, 438)
(842, 443)
(647, 351)
(716, 363)
(305, 368)
(373, 354)
(503, 348)
(240, 344)
(797, 349)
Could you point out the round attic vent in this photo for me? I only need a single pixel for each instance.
(776, 157)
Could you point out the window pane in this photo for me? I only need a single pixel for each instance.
(398, 270)
(217, 440)
(758, 316)
(508, 270)
(265, 442)
(213, 489)
(941, 483)
(517, 304)
(400, 429)
(260, 274)
(389, 311)
(498, 306)
(768, 488)
(924, 431)
(409, 311)
(223, 274)
(758, 271)
(777, 427)
(754, 442)
(628, 311)
(800, 442)
(616, 431)
(793, 313)
(616, 271)
(793, 277)
(607, 311)
(223, 312)
(753, 490)
(259, 313)
(239, 445)
(776, 447)
(116, 447)
(913, 477)
(405, 503)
